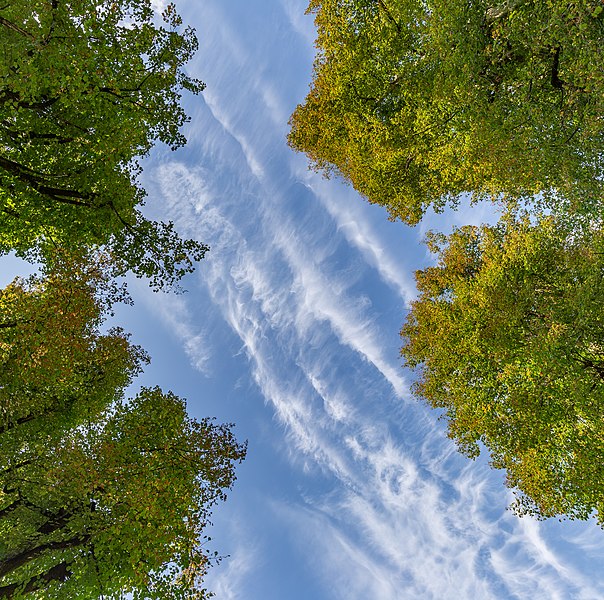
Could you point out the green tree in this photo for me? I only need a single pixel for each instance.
(55, 363)
(507, 336)
(117, 506)
(416, 103)
(86, 88)
(98, 496)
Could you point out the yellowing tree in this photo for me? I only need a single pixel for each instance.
(118, 505)
(99, 496)
(416, 102)
(508, 338)
(56, 365)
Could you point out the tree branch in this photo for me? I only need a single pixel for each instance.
(383, 6)
(36, 181)
(11, 564)
(11, 25)
(59, 572)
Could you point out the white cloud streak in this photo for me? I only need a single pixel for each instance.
(405, 516)
(409, 514)
(176, 316)
(229, 581)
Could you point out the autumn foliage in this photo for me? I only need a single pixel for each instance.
(508, 338)
(100, 495)
(420, 104)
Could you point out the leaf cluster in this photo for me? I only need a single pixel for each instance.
(508, 337)
(417, 103)
(117, 505)
(99, 496)
(86, 89)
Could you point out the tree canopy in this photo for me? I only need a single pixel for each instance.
(86, 88)
(508, 338)
(99, 496)
(54, 359)
(116, 506)
(418, 102)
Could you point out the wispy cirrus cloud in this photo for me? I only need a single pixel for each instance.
(407, 509)
(308, 286)
(229, 582)
(360, 234)
(176, 316)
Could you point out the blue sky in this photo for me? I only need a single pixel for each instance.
(289, 328)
